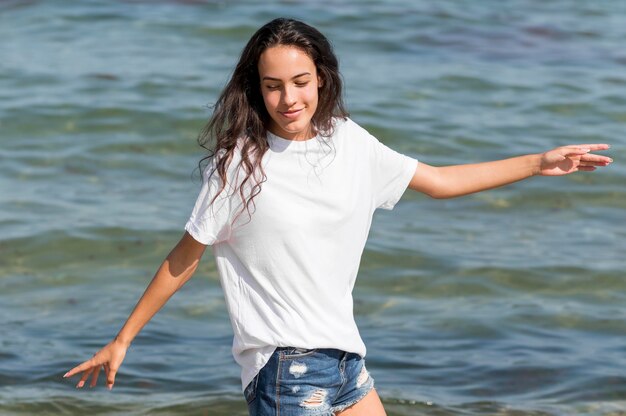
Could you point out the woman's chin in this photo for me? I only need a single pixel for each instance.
(292, 132)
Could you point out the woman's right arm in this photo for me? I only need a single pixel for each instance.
(176, 269)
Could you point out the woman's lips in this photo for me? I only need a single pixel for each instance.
(291, 114)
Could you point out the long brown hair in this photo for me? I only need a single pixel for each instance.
(240, 112)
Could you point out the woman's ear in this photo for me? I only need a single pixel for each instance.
(320, 82)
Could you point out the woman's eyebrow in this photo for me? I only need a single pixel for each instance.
(294, 77)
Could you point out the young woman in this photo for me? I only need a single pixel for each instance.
(286, 205)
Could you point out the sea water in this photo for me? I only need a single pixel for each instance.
(507, 302)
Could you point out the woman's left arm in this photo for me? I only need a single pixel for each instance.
(458, 180)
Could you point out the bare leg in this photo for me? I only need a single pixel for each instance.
(370, 405)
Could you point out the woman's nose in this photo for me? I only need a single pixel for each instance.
(288, 96)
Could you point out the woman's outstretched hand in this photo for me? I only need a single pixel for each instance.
(569, 159)
(110, 358)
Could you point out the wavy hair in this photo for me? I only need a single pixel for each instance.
(239, 121)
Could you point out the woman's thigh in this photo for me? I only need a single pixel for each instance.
(370, 405)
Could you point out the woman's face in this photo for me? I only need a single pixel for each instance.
(289, 84)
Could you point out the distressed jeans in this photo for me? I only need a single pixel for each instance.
(298, 382)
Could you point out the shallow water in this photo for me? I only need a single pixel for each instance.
(508, 302)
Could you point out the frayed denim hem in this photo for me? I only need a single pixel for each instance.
(344, 406)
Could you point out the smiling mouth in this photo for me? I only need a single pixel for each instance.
(292, 113)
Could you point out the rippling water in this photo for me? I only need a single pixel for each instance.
(509, 302)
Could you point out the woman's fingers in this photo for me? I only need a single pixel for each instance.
(586, 158)
(592, 146)
(111, 377)
(593, 164)
(84, 378)
(109, 358)
(94, 377)
(93, 370)
(560, 153)
(582, 149)
(87, 367)
(598, 159)
(80, 368)
(567, 159)
(573, 150)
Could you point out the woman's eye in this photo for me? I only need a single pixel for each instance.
(301, 84)
(272, 87)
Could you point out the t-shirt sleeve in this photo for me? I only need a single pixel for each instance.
(391, 174)
(211, 221)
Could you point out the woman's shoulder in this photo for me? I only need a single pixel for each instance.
(229, 159)
(342, 122)
(348, 127)
(345, 125)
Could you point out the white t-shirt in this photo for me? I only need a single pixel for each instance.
(289, 268)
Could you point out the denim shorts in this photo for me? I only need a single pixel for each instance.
(298, 381)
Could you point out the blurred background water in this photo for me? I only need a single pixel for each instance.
(509, 302)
